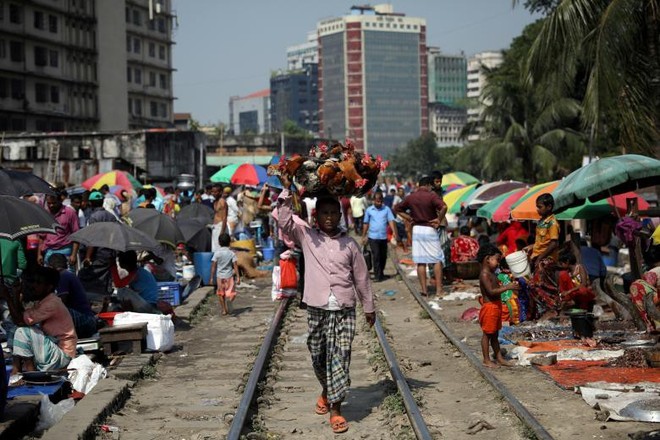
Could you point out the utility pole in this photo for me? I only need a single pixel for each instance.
(281, 144)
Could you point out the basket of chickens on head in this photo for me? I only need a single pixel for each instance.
(337, 170)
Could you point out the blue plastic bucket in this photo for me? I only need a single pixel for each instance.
(269, 253)
(202, 261)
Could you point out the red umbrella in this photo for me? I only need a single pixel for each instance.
(249, 174)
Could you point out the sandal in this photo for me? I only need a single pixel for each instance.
(322, 406)
(338, 424)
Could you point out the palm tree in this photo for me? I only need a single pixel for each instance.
(613, 46)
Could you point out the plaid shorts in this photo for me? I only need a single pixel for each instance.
(329, 342)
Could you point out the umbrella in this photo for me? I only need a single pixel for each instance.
(605, 177)
(224, 175)
(590, 210)
(451, 187)
(525, 207)
(486, 193)
(112, 178)
(196, 210)
(499, 209)
(19, 217)
(196, 233)
(455, 198)
(459, 178)
(157, 225)
(116, 236)
(20, 183)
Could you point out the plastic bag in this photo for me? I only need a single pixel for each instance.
(366, 253)
(50, 414)
(86, 374)
(160, 329)
(288, 277)
(275, 289)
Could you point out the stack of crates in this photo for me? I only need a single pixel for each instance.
(170, 292)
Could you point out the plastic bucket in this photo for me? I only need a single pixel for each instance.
(108, 317)
(188, 272)
(518, 264)
(583, 325)
(202, 262)
(269, 253)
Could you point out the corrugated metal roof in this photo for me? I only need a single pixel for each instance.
(221, 161)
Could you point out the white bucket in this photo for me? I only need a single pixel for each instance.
(188, 272)
(518, 264)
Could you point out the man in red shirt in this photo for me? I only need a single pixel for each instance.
(426, 210)
(59, 243)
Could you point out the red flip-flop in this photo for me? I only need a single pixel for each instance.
(338, 424)
(322, 406)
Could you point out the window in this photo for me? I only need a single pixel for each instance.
(137, 45)
(17, 89)
(16, 51)
(128, 74)
(137, 17)
(130, 106)
(137, 75)
(161, 52)
(152, 79)
(128, 44)
(40, 56)
(40, 92)
(162, 27)
(3, 88)
(55, 94)
(2, 11)
(3, 49)
(54, 58)
(138, 107)
(52, 23)
(163, 81)
(15, 14)
(152, 50)
(153, 107)
(163, 110)
(128, 15)
(151, 25)
(39, 20)
(41, 125)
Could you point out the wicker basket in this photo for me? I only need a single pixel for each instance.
(468, 270)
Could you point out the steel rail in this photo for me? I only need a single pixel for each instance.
(414, 414)
(256, 374)
(516, 406)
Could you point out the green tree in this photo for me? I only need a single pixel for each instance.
(613, 45)
(421, 156)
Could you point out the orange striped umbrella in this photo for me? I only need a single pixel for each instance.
(525, 207)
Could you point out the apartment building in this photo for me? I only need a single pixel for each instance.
(476, 81)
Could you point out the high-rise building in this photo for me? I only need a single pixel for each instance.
(447, 123)
(64, 65)
(476, 79)
(294, 97)
(250, 114)
(306, 53)
(373, 85)
(447, 78)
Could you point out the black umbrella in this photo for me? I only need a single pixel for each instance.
(116, 236)
(20, 183)
(196, 233)
(196, 210)
(157, 225)
(19, 217)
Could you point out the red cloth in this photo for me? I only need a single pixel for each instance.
(581, 297)
(509, 236)
(490, 317)
(464, 249)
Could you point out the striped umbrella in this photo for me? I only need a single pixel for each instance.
(243, 174)
(499, 209)
(455, 198)
(525, 207)
(486, 193)
(112, 178)
(224, 175)
(458, 177)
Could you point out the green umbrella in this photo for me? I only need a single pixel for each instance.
(606, 177)
(224, 175)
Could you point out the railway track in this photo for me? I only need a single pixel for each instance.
(249, 376)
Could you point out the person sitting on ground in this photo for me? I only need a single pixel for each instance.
(225, 267)
(45, 338)
(138, 291)
(644, 291)
(72, 293)
(464, 248)
(574, 282)
(490, 315)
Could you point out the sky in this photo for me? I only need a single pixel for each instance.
(228, 48)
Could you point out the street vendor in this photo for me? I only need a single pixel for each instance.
(644, 291)
(137, 291)
(574, 282)
(45, 338)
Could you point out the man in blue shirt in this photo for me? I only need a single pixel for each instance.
(374, 231)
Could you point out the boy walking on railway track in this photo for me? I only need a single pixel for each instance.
(336, 275)
(225, 266)
(490, 315)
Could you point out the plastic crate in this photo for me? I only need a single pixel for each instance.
(170, 292)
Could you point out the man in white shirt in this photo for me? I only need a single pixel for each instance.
(358, 205)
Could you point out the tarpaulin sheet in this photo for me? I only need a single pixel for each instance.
(569, 374)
